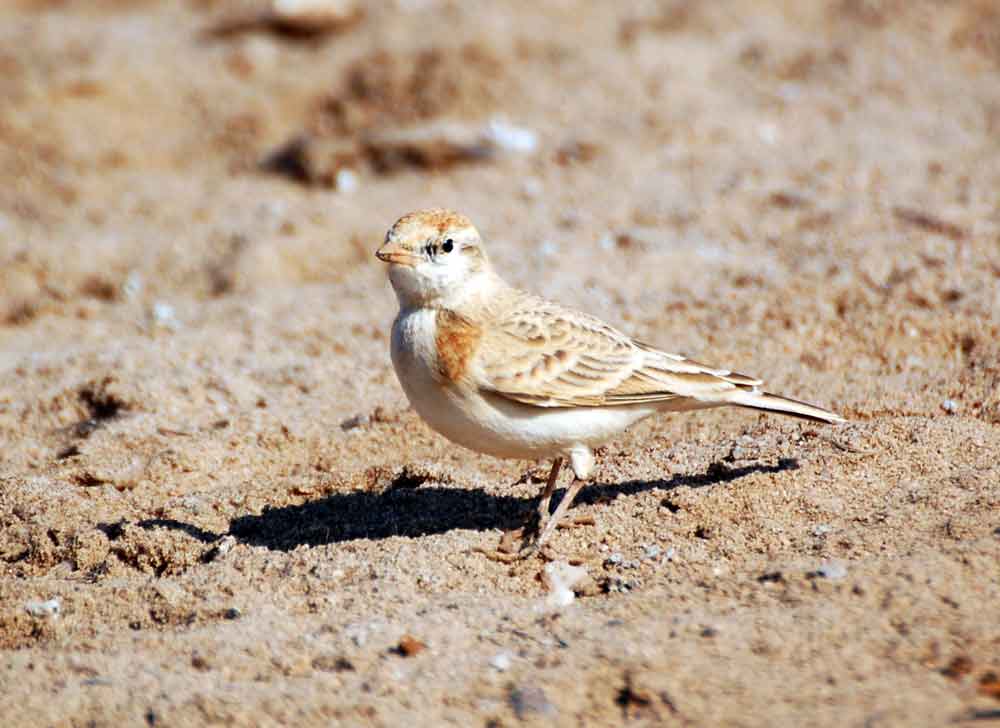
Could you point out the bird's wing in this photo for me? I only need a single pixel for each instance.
(543, 354)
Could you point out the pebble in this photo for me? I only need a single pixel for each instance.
(832, 570)
(162, 314)
(821, 529)
(346, 180)
(409, 646)
(614, 559)
(617, 584)
(548, 249)
(352, 423)
(48, 608)
(221, 548)
(315, 16)
(511, 138)
(653, 552)
(531, 699)
(501, 662)
(561, 577)
(132, 287)
(950, 406)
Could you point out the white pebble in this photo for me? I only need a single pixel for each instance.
(346, 180)
(163, 315)
(768, 133)
(132, 286)
(512, 138)
(832, 570)
(48, 608)
(501, 662)
(548, 249)
(561, 577)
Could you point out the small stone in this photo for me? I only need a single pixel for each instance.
(614, 559)
(989, 685)
(821, 529)
(332, 663)
(950, 406)
(548, 249)
(958, 668)
(354, 422)
(501, 662)
(531, 699)
(615, 584)
(44, 610)
(232, 613)
(561, 578)
(220, 549)
(512, 138)
(346, 180)
(162, 315)
(315, 16)
(832, 570)
(768, 133)
(409, 646)
(132, 287)
(652, 552)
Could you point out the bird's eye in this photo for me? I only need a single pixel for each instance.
(448, 246)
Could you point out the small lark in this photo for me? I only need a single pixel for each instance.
(512, 375)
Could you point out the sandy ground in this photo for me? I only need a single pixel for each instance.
(207, 461)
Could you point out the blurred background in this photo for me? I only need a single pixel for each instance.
(201, 148)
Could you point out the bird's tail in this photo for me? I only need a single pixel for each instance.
(767, 402)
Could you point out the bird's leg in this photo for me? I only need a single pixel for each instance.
(564, 504)
(528, 533)
(545, 497)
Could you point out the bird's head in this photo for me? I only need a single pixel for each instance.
(435, 257)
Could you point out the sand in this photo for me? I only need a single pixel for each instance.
(207, 462)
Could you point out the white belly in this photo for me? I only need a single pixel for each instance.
(490, 423)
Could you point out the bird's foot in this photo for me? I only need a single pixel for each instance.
(578, 522)
(516, 545)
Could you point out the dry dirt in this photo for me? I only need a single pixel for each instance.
(207, 461)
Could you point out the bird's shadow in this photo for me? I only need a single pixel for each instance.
(415, 511)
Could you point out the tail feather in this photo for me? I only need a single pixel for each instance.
(768, 402)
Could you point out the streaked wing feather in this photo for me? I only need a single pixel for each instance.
(545, 355)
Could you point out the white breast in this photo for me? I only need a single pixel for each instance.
(489, 423)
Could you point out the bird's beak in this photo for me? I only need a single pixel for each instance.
(396, 253)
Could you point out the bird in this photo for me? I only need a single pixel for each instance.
(510, 374)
